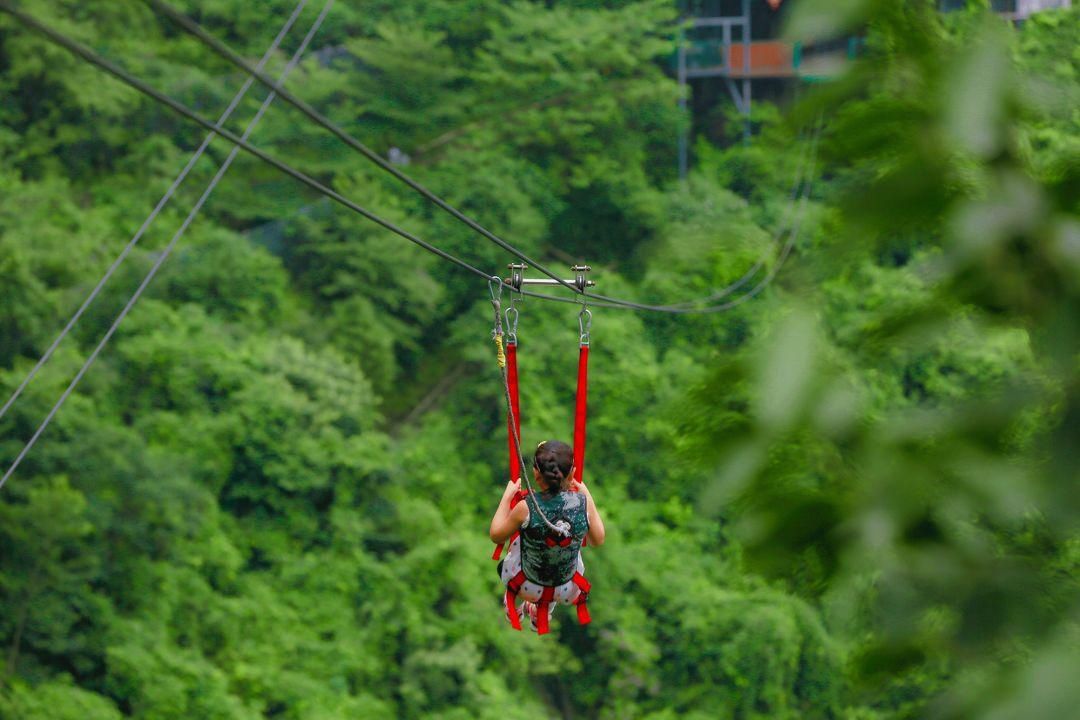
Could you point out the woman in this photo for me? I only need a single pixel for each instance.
(544, 562)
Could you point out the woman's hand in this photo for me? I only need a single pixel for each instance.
(506, 519)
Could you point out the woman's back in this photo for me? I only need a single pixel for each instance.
(546, 529)
(548, 558)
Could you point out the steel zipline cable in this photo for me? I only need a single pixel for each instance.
(164, 254)
(92, 57)
(231, 56)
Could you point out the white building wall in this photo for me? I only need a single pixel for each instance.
(1027, 7)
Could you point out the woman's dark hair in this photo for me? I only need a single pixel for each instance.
(554, 459)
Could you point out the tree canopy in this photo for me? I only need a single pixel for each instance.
(850, 497)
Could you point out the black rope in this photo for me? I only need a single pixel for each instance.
(802, 177)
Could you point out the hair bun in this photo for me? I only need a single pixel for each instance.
(554, 460)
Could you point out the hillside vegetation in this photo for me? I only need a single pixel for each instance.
(852, 497)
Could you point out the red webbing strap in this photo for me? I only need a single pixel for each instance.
(580, 407)
(515, 583)
(510, 600)
(513, 587)
(583, 617)
(543, 610)
(515, 417)
(579, 412)
(583, 585)
(515, 404)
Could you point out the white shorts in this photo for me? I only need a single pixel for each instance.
(567, 593)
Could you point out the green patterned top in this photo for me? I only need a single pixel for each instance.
(552, 563)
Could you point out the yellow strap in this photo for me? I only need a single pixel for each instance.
(501, 353)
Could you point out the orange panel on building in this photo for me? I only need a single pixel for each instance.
(767, 59)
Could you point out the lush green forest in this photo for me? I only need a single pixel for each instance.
(852, 496)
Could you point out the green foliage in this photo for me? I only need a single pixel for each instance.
(59, 699)
(907, 424)
(849, 498)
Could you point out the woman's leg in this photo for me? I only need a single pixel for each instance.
(509, 567)
(568, 592)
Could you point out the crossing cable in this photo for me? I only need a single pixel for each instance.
(785, 252)
(230, 55)
(800, 189)
(81, 51)
(233, 104)
(164, 254)
(801, 178)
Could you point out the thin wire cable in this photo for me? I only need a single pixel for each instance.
(164, 255)
(233, 104)
(803, 180)
(125, 77)
(793, 236)
(797, 187)
(785, 252)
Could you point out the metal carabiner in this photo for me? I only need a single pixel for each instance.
(584, 319)
(511, 323)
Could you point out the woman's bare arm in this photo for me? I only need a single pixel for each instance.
(506, 521)
(596, 524)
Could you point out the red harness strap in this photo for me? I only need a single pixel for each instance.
(515, 404)
(583, 585)
(543, 607)
(516, 582)
(515, 417)
(513, 587)
(543, 610)
(511, 610)
(580, 407)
